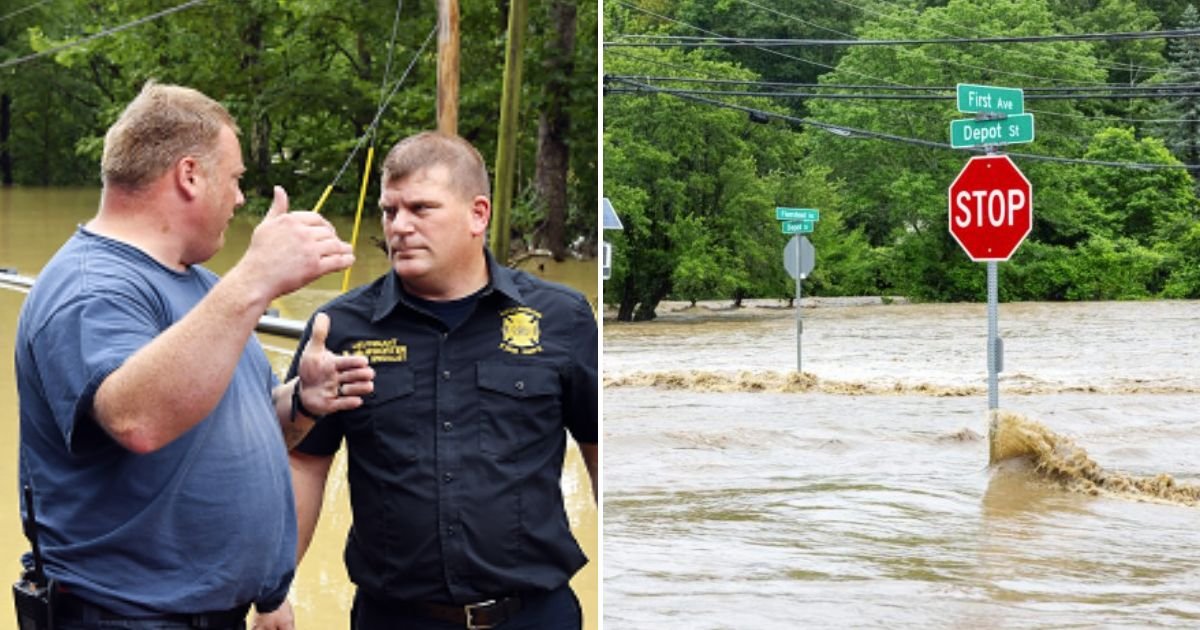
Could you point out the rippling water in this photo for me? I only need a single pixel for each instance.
(738, 495)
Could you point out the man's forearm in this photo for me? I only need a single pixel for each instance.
(309, 473)
(591, 459)
(292, 423)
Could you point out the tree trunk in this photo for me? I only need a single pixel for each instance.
(260, 150)
(260, 130)
(6, 176)
(628, 302)
(554, 126)
(645, 311)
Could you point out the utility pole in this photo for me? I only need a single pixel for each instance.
(506, 144)
(447, 68)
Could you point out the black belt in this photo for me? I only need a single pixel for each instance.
(69, 607)
(478, 616)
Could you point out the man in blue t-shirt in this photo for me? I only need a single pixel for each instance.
(150, 418)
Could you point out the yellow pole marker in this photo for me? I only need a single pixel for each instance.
(362, 194)
(321, 201)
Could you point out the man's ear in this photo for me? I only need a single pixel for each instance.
(188, 177)
(481, 213)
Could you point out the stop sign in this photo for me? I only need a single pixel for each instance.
(991, 207)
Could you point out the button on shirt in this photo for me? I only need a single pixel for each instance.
(455, 461)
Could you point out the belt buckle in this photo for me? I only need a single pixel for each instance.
(470, 610)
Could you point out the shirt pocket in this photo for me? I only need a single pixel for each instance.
(519, 405)
(385, 419)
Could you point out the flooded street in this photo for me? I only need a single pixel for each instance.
(859, 495)
(35, 222)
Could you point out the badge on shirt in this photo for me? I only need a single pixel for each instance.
(379, 350)
(521, 330)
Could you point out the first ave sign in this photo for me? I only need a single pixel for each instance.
(991, 208)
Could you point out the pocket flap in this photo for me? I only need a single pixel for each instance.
(523, 381)
(391, 382)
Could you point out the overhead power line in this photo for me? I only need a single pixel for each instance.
(904, 97)
(897, 88)
(689, 41)
(1027, 51)
(849, 132)
(28, 7)
(811, 62)
(766, 50)
(1067, 59)
(1193, 91)
(103, 33)
(1116, 87)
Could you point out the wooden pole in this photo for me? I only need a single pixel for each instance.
(506, 144)
(447, 70)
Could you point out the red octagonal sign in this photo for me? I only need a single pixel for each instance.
(991, 207)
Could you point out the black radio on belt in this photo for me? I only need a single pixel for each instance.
(31, 593)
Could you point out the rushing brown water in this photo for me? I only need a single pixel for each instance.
(1058, 458)
(859, 494)
(35, 222)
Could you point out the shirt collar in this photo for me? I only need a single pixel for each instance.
(500, 279)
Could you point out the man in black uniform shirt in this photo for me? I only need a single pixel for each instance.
(456, 457)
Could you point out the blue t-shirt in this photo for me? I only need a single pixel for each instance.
(205, 523)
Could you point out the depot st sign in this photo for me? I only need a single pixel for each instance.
(991, 208)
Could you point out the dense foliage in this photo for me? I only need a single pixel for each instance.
(696, 184)
(303, 78)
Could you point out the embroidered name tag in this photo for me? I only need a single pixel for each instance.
(380, 350)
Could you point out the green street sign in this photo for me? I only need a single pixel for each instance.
(796, 227)
(797, 214)
(989, 99)
(973, 133)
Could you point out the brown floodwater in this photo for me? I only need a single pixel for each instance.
(35, 222)
(739, 494)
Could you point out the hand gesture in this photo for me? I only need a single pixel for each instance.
(291, 249)
(329, 382)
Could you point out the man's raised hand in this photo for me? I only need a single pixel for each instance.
(330, 383)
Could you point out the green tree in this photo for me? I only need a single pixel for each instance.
(1145, 205)
(1183, 137)
(303, 78)
(692, 183)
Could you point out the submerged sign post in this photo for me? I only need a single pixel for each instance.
(799, 256)
(991, 201)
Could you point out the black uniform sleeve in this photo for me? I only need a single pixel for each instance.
(580, 406)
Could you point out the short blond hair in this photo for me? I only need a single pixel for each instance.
(162, 125)
(431, 148)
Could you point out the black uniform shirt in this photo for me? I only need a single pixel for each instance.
(455, 461)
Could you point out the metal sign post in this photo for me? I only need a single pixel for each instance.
(1000, 119)
(991, 201)
(994, 349)
(799, 316)
(799, 263)
(799, 257)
